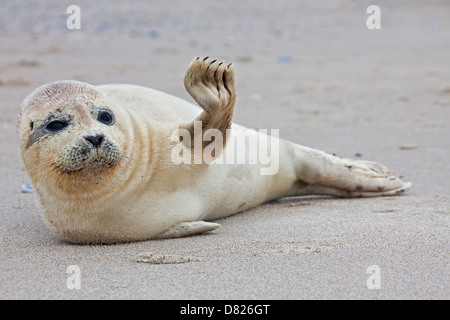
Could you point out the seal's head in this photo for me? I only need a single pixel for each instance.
(70, 129)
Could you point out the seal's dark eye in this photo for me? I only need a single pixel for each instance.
(105, 117)
(56, 125)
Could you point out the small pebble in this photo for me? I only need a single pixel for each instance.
(408, 147)
(26, 188)
(255, 96)
(283, 58)
(153, 34)
(433, 28)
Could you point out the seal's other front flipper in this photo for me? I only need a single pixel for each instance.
(185, 229)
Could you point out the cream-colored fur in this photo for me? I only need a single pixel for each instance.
(129, 188)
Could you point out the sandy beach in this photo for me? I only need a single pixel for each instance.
(311, 69)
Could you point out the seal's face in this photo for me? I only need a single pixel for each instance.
(78, 134)
(83, 137)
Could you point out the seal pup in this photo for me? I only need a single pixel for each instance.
(101, 160)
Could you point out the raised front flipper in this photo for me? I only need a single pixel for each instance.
(211, 84)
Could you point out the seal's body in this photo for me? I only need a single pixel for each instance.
(101, 160)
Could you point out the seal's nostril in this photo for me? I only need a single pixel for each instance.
(96, 141)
